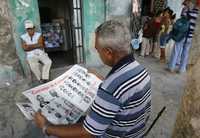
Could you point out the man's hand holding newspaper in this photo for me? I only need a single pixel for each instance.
(65, 99)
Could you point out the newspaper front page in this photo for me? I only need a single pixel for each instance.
(65, 99)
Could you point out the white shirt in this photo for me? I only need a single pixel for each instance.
(27, 39)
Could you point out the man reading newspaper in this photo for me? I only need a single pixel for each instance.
(123, 102)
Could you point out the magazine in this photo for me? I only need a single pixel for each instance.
(65, 99)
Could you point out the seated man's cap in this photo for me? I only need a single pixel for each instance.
(28, 24)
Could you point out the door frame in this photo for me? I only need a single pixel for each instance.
(77, 31)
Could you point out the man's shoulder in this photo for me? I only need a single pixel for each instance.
(123, 76)
(130, 69)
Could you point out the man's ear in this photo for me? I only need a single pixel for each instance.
(110, 55)
(108, 51)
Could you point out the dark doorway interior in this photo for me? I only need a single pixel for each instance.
(146, 7)
(61, 58)
(56, 28)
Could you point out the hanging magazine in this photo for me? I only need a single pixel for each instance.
(65, 99)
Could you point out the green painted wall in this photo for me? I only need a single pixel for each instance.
(93, 15)
(21, 11)
(118, 8)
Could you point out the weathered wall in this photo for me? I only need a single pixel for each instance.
(195, 49)
(93, 14)
(12, 123)
(119, 10)
(188, 119)
(22, 10)
(8, 57)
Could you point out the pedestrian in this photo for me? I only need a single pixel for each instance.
(150, 32)
(166, 21)
(181, 48)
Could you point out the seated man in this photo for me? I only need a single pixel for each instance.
(33, 45)
(123, 102)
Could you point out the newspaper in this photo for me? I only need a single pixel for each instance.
(65, 99)
(27, 110)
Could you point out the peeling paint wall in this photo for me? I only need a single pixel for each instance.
(93, 15)
(118, 8)
(8, 57)
(12, 122)
(21, 11)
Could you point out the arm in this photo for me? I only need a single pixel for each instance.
(62, 131)
(166, 23)
(70, 131)
(40, 44)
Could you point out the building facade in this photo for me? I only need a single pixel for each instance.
(77, 18)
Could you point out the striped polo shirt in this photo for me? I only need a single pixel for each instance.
(193, 14)
(123, 103)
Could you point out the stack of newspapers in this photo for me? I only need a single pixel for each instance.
(65, 99)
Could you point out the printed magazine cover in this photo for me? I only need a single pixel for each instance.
(65, 99)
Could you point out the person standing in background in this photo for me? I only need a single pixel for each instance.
(182, 48)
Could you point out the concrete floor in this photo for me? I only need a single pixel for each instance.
(167, 90)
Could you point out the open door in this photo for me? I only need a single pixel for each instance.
(62, 29)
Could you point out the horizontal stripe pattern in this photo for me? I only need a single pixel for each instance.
(128, 82)
(131, 84)
(137, 103)
(193, 15)
(122, 105)
(102, 111)
(113, 81)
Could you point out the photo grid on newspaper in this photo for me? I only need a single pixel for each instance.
(65, 99)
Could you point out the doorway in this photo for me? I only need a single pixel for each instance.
(61, 26)
(146, 7)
